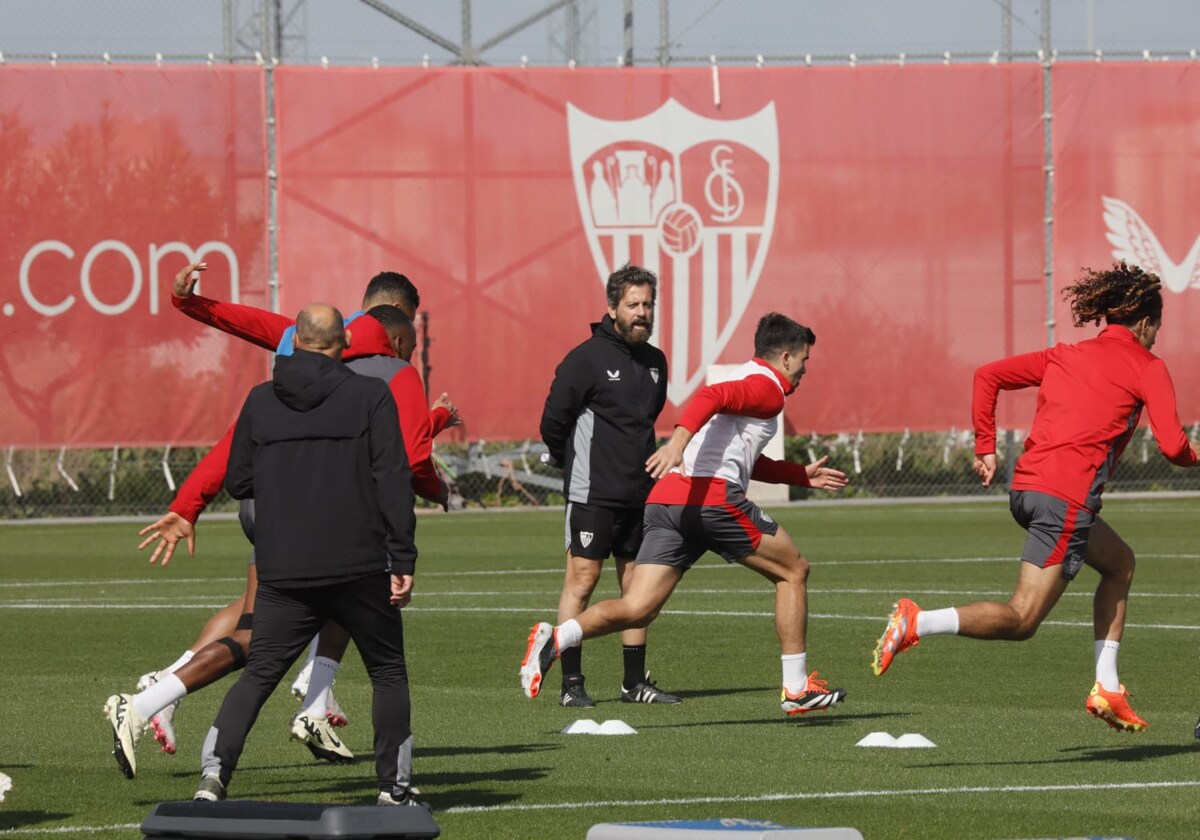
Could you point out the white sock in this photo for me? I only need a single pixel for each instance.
(937, 622)
(795, 672)
(1106, 665)
(178, 663)
(297, 684)
(148, 703)
(323, 672)
(569, 634)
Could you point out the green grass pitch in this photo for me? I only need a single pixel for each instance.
(82, 615)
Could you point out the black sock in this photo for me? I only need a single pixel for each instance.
(571, 660)
(635, 665)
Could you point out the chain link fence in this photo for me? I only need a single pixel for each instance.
(142, 482)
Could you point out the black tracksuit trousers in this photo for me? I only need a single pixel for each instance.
(285, 620)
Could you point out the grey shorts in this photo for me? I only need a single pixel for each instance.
(677, 535)
(1058, 530)
(246, 518)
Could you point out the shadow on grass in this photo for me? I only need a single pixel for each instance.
(1144, 752)
(831, 719)
(14, 819)
(505, 749)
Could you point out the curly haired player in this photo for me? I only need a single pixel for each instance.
(1090, 397)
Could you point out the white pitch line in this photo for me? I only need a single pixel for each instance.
(72, 829)
(541, 610)
(21, 584)
(818, 563)
(833, 794)
(704, 800)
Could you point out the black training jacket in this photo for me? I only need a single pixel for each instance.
(319, 450)
(599, 417)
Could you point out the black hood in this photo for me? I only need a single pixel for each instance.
(305, 379)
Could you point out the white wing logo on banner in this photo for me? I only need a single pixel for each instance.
(1135, 242)
(692, 199)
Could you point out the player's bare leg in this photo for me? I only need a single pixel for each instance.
(579, 582)
(779, 561)
(648, 589)
(1109, 555)
(1036, 593)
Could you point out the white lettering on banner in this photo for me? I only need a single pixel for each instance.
(85, 277)
(32, 254)
(155, 254)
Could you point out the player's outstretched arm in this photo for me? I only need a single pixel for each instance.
(249, 323)
(823, 477)
(815, 474)
(168, 530)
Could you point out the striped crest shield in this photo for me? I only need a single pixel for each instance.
(692, 199)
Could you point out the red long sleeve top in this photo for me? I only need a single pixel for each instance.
(266, 329)
(1090, 398)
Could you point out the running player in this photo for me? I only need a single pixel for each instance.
(1090, 397)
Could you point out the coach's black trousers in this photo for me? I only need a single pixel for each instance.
(285, 620)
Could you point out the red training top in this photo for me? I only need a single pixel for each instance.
(1090, 398)
(266, 329)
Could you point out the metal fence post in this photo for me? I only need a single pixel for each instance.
(1047, 56)
(271, 43)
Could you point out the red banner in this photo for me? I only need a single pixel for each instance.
(1127, 186)
(111, 180)
(896, 211)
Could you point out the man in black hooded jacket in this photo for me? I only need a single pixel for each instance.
(319, 449)
(598, 423)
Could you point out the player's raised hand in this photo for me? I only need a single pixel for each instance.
(985, 468)
(168, 530)
(186, 280)
(823, 477)
(402, 586)
(444, 402)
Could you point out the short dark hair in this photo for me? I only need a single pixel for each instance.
(391, 317)
(391, 286)
(630, 275)
(777, 334)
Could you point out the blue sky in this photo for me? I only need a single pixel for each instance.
(350, 32)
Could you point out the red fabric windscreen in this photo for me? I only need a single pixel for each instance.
(1127, 186)
(895, 210)
(110, 179)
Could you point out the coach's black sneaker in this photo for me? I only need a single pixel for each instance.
(210, 789)
(647, 692)
(405, 797)
(814, 698)
(1197, 732)
(573, 692)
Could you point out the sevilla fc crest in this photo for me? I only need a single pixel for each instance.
(690, 198)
